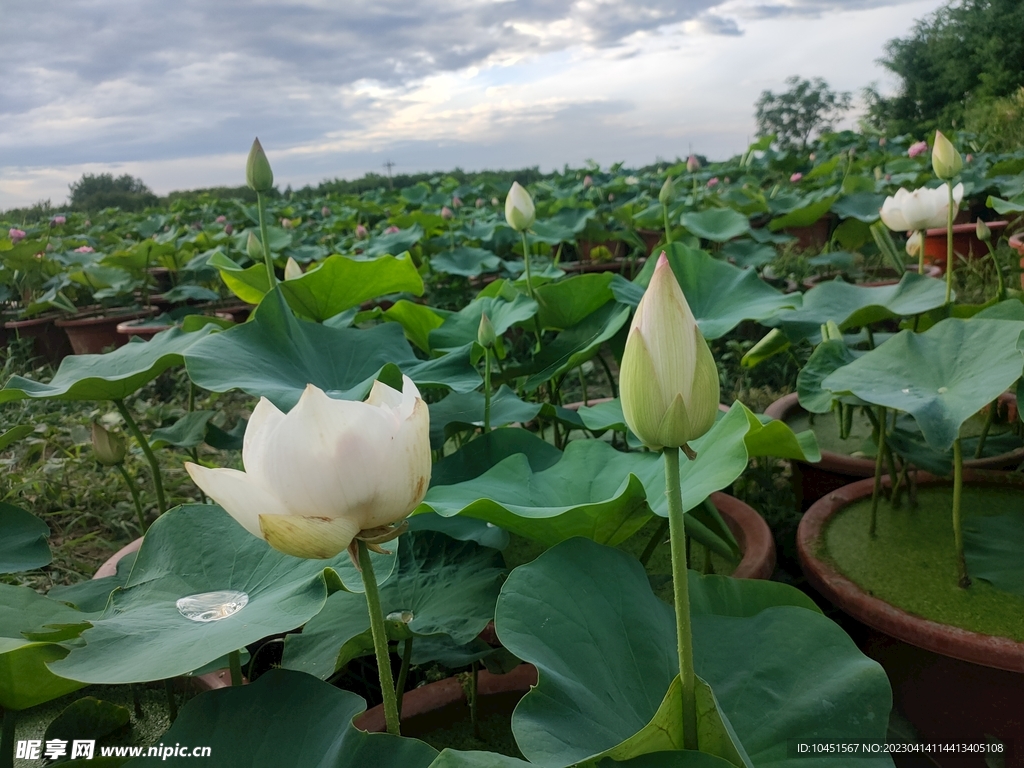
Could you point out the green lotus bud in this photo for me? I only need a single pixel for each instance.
(292, 269)
(830, 332)
(253, 247)
(669, 381)
(485, 335)
(258, 174)
(668, 191)
(519, 211)
(108, 447)
(983, 232)
(915, 243)
(946, 161)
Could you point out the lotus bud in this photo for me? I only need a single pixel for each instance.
(485, 335)
(669, 381)
(16, 235)
(830, 332)
(494, 201)
(446, 213)
(519, 211)
(968, 158)
(360, 231)
(221, 219)
(882, 141)
(914, 244)
(85, 249)
(692, 164)
(668, 191)
(588, 181)
(228, 229)
(712, 182)
(253, 247)
(918, 148)
(292, 269)
(109, 448)
(57, 221)
(258, 174)
(456, 202)
(286, 223)
(983, 231)
(392, 230)
(946, 161)
(480, 202)
(328, 471)
(325, 211)
(795, 178)
(611, 197)
(879, 175)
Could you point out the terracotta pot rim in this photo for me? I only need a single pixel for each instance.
(855, 467)
(946, 640)
(106, 317)
(40, 319)
(136, 327)
(959, 229)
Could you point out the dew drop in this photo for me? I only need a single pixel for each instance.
(943, 390)
(212, 606)
(905, 391)
(403, 616)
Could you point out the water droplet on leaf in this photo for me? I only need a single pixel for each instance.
(212, 606)
(403, 616)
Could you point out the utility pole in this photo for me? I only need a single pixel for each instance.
(389, 165)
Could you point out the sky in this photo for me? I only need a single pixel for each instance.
(174, 93)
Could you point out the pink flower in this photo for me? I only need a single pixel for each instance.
(588, 181)
(917, 149)
(325, 211)
(712, 182)
(480, 202)
(456, 202)
(882, 141)
(692, 164)
(888, 177)
(796, 177)
(16, 235)
(391, 230)
(58, 221)
(221, 219)
(360, 231)
(228, 229)
(446, 213)
(85, 249)
(969, 158)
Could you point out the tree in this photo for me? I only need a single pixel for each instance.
(93, 192)
(963, 55)
(808, 106)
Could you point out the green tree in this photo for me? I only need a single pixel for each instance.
(958, 59)
(808, 107)
(93, 192)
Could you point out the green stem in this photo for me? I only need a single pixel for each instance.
(529, 287)
(608, 373)
(235, 664)
(267, 258)
(1001, 290)
(473, 690)
(656, 539)
(154, 465)
(989, 418)
(487, 390)
(7, 738)
(380, 640)
(172, 701)
(668, 231)
(879, 458)
(134, 491)
(958, 534)
(684, 636)
(949, 243)
(583, 386)
(403, 673)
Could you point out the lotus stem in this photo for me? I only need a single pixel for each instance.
(380, 640)
(154, 465)
(172, 702)
(958, 534)
(267, 258)
(879, 458)
(1001, 290)
(989, 418)
(474, 689)
(608, 372)
(133, 489)
(684, 636)
(583, 386)
(529, 286)
(668, 231)
(487, 390)
(10, 718)
(949, 243)
(920, 266)
(403, 673)
(235, 664)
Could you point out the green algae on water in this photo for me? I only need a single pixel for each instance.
(911, 563)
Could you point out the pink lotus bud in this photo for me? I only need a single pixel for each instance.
(692, 164)
(325, 211)
(16, 235)
(456, 202)
(712, 182)
(360, 231)
(480, 202)
(446, 213)
(796, 177)
(917, 149)
(49, 247)
(888, 177)
(286, 223)
(221, 219)
(391, 230)
(85, 249)
(58, 221)
(882, 141)
(588, 181)
(969, 158)
(228, 229)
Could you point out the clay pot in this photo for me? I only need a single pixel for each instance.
(620, 265)
(49, 342)
(141, 329)
(1017, 243)
(651, 238)
(436, 705)
(91, 334)
(952, 684)
(965, 242)
(814, 236)
(813, 481)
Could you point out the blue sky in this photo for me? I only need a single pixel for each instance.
(175, 92)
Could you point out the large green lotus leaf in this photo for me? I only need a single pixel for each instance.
(941, 377)
(275, 355)
(191, 550)
(25, 679)
(716, 224)
(852, 306)
(567, 302)
(416, 320)
(285, 719)
(863, 206)
(829, 356)
(720, 295)
(250, 284)
(461, 328)
(112, 376)
(22, 540)
(573, 346)
(605, 650)
(340, 282)
(393, 242)
(803, 217)
(91, 595)
(449, 586)
(462, 529)
(465, 411)
(451, 758)
(992, 546)
(479, 455)
(465, 261)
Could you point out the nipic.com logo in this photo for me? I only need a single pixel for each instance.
(85, 749)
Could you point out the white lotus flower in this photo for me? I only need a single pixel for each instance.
(328, 469)
(921, 209)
